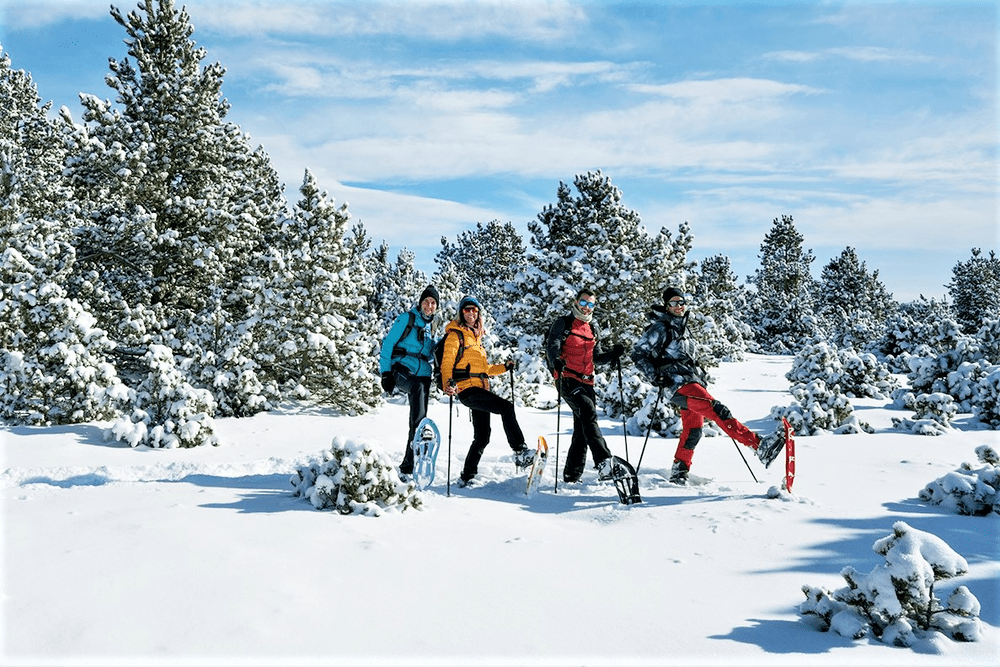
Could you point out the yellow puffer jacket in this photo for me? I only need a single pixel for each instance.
(473, 368)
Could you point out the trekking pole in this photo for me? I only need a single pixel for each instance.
(735, 444)
(656, 404)
(451, 405)
(558, 427)
(512, 385)
(621, 395)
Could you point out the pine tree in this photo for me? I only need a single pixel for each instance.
(486, 259)
(397, 286)
(178, 207)
(52, 356)
(593, 240)
(782, 312)
(720, 298)
(853, 304)
(327, 347)
(975, 290)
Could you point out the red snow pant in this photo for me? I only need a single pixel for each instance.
(696, 405)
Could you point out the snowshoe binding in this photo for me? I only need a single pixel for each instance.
(626, 480)
(772, 444)
(425, 445)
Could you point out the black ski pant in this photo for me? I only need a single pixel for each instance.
(483, 403)
(418, 393)
(582, 400)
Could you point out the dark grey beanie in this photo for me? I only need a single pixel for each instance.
(670, 293)
(430, 291)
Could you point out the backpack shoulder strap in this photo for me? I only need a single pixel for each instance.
(397, 349)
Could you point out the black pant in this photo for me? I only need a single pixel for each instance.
(483, 403)
(582, 400)
(418, 392)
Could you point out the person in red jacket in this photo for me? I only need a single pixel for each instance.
(573, 347)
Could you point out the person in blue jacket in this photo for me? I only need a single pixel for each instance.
(406, 362)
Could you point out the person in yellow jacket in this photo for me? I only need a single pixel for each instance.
(465, 373)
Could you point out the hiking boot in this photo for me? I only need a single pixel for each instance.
(770, 446)
(679, 473)
(405, 476)
(524, 457)
(605, 468)
(462, 482)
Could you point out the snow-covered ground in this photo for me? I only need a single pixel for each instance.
(118, 556)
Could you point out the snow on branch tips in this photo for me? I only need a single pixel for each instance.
(970, 491)
(355, 478)
(896, 602)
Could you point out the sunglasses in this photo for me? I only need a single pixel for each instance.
(676, 303)
(586, 304)
(470, 309)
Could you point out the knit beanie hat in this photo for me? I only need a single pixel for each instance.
(670, 293)
(468, 301)
(430, 291)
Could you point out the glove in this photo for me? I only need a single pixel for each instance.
(388, 381)
(664, 378)
(560, 365)
(617, 350)
(509, 364)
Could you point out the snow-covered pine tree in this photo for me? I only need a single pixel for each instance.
(904, 599)
(975, 290)
(485, 258)
(448, 282)
(720, 297)
(853, 305)
(177, 205)
(593, 240)
(397, 286)
(52, 356)
(327, 348)
(781, 310)
(914, 324)
(167, 412)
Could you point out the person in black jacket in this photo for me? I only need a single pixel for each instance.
(573, 347)
(665, 354)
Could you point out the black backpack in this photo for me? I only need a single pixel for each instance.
(439, 355)
(567, 324)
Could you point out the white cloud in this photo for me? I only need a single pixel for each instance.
(32, 14)
(440, 20)
(717, 91)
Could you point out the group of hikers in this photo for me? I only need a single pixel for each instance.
(664, 354)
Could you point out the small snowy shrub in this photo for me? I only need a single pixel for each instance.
(355, 478)
(896, 601)
(819, 408)
(956, 371)
(987, 408)
(932, 413)
(639, 397)
(857, 374)
(648, 416)
(167, 411)
(968, 490)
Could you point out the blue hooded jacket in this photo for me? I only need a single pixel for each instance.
(415, 350)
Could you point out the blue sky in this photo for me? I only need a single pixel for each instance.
(875, 125)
